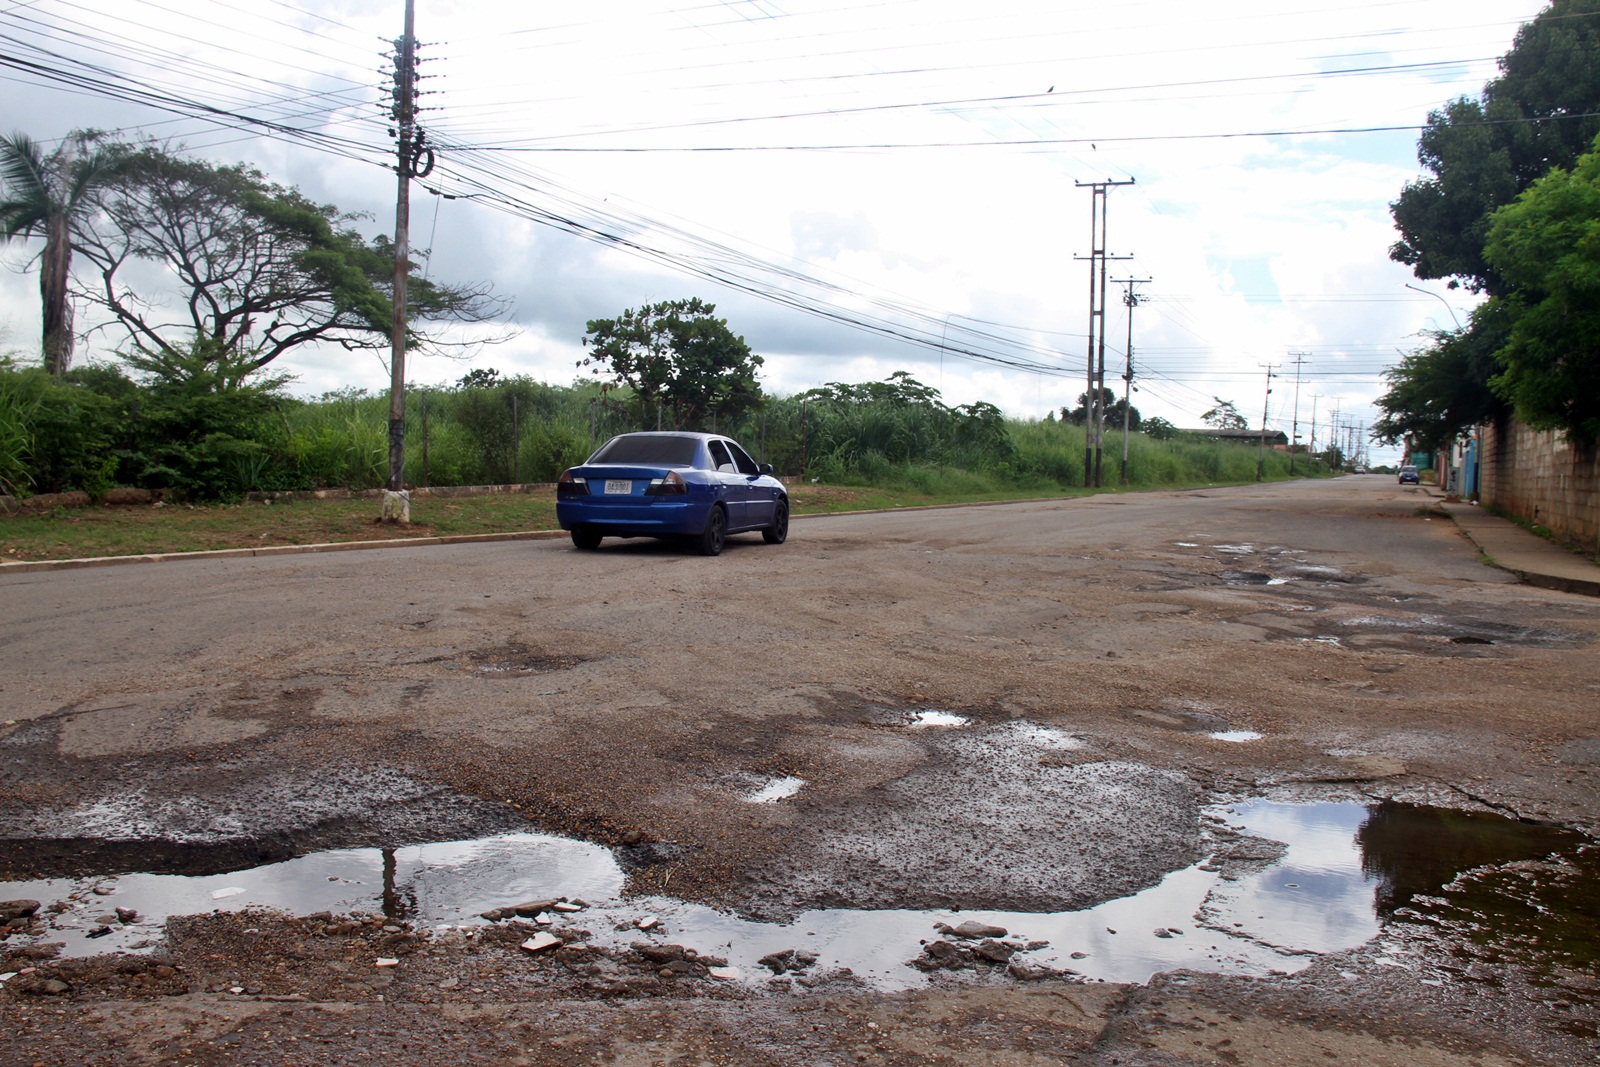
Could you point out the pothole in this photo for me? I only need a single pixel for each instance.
(925, 717)
(774, 790)
(517, 659)
(1245, 578)
(1282, 883)
(1456, 631)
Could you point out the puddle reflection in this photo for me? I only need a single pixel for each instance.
(1346, 869)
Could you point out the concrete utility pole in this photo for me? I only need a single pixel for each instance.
(1094, 413)
(1300, 359)
(1266, 402)
(409, 153)
(1131, 300)
(1311, 445)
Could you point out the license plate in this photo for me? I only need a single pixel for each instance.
(619, 486)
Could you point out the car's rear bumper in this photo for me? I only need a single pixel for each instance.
(657, 518)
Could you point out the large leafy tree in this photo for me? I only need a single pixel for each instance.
(1443, 387)
(1542, 111)
(1112, 408)
(1225, 416)
(259, 269)
(1547, 247)
(46, 194)
(678, 358)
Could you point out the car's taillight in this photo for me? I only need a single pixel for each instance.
(670, 484)
(571, 485)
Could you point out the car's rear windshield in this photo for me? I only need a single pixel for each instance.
(648, 448)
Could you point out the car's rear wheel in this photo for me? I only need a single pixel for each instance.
(585, 538)
(715, 535)
(778, 532)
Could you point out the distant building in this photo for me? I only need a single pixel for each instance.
(1275, 438)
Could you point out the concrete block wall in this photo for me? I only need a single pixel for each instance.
(1540, 477)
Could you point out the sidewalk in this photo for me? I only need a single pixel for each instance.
(1528, 556)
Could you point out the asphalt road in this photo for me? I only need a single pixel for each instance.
(194, 717)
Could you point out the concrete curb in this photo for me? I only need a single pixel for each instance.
(27, 566)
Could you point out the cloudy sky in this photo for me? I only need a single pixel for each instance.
(860, 187)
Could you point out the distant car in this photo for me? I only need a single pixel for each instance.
(1409, 476)
(698, 486)
(1360, 470)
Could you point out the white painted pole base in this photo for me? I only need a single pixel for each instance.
(397, 506)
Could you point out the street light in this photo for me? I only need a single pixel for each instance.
(1439, 298)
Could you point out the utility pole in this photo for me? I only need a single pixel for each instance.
(1333, 435)
(1094, 413)
(1266, 403)
(1131, 300)
(1311, 445)
(1300, 359)
(410, 152)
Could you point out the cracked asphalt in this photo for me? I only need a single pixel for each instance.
(204, 716)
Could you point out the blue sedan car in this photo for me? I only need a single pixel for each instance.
(670, 484)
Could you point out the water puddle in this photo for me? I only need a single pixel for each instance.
(1341, 872)
(775, 790)
(1234, 735)
(1047, 737)
(930, 717)
(1245, 578)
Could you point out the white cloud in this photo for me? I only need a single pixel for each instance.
(1255, 246)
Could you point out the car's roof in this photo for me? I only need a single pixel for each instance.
(675, 433)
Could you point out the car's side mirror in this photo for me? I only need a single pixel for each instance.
(766, 468)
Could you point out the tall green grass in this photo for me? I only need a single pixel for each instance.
(487, 430)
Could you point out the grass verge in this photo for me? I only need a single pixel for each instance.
(112, 530)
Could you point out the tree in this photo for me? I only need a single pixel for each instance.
(1442, 388)
(48, 195)
(1542, 111)
(1080, 414)
(1546, 245)
(678, 358)
(1158, 429)
(261, 269)
(1225, 416)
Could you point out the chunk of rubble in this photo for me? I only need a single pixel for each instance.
(17, 909)
(971, 929)
(789, 960)
(966, 954)
(541, 941)
(531, 908)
